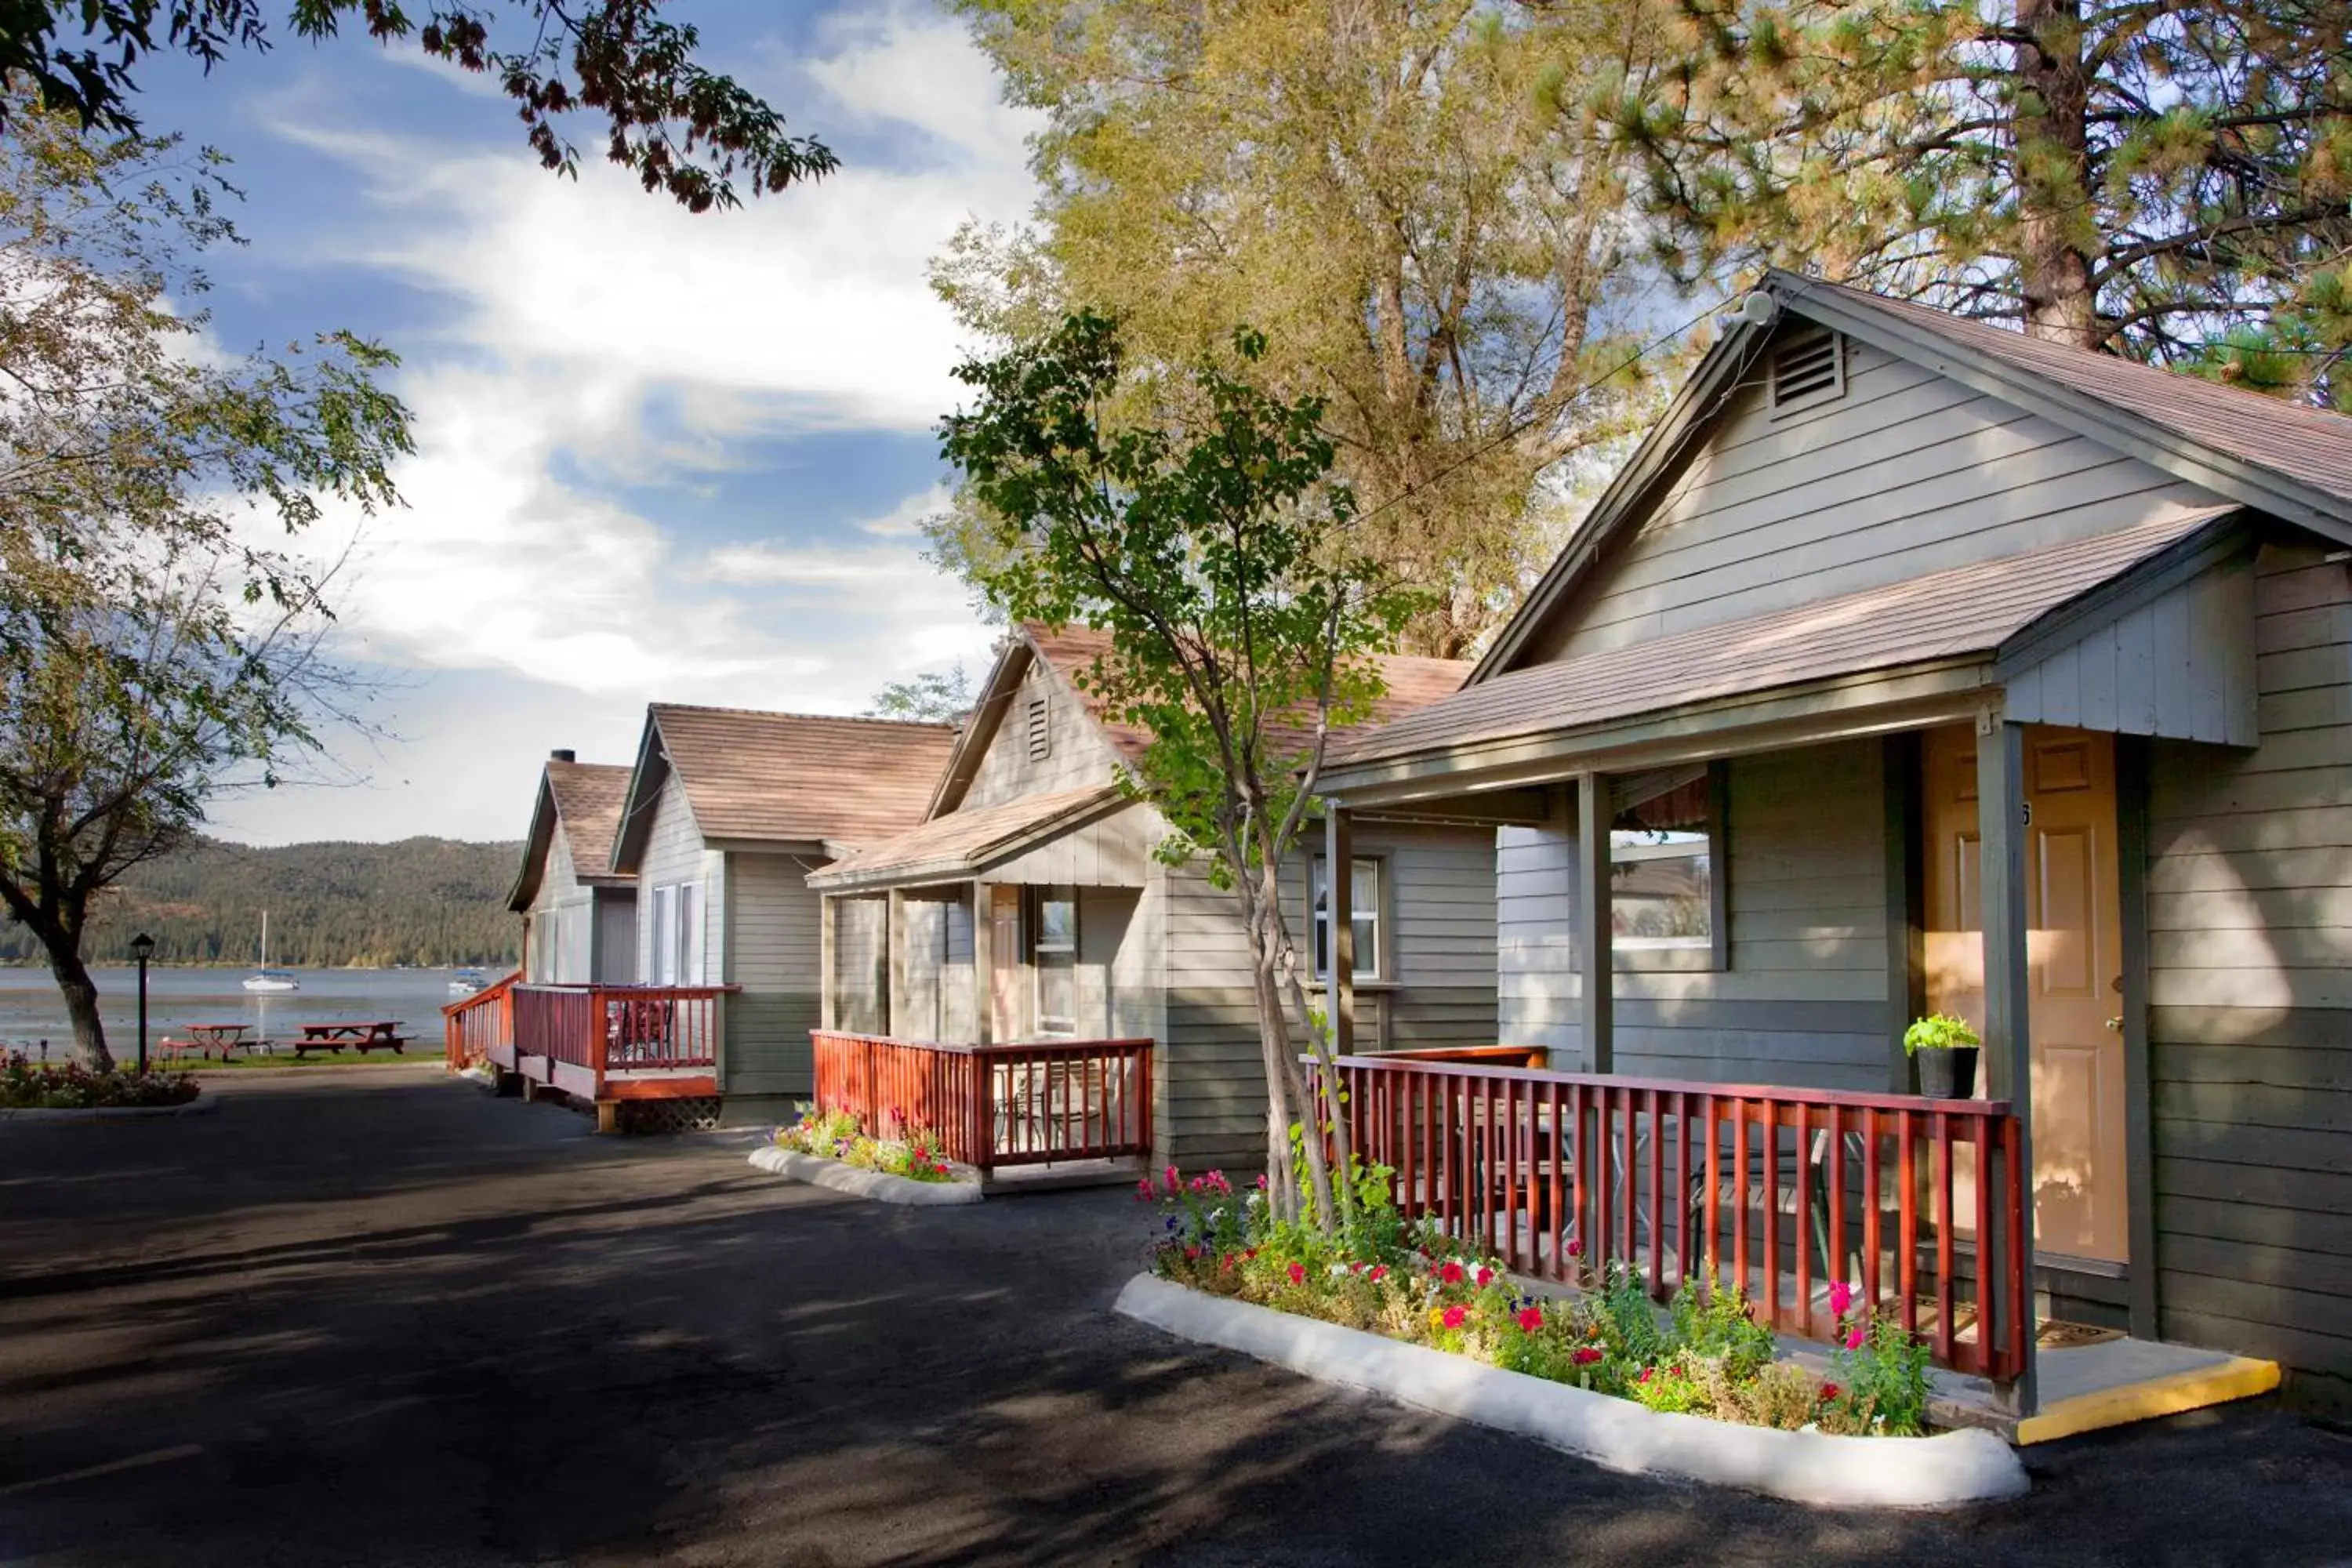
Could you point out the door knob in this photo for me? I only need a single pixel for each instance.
(2117, 1024)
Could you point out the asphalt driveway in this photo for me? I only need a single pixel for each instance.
(374, 1318)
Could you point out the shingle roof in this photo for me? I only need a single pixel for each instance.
(2311, 446)
(1963, 612)
(1413, 683)
(588, 801)
(801, 777)
(963, 840)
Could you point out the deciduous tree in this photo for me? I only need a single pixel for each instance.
(680, 126)
(1201, 527)
(1422, 204)
(157, 644)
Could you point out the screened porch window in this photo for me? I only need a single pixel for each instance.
(1056, 952)
(1364, 898)
(1663, 863)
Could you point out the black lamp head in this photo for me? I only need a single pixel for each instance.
(142, 947)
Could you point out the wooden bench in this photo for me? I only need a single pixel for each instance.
(378, 1035)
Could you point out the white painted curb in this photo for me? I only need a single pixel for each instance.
(1949, 1470)
(205, 1100)
(879, 1186)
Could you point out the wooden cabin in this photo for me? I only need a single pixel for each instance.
(1027, 920)
(579, 915)
(1914, 666)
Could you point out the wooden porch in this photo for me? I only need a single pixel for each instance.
(1915, 1204)
(602, 1045)
(1015, 1105)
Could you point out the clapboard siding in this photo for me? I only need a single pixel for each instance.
(1908, 473)
(2181, 666)
(773, 953)
(1803, 1001)
(1108, 852)
(674, 854)
(562, 921)
(861, 952)
(2249, 1028)
(1077, 756)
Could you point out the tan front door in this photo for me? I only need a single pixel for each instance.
(2074, 945)
(1004, 955)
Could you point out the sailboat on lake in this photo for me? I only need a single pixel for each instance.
(267, 978)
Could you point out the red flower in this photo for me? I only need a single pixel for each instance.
(1576, 1249)
(1226, 1263)
(1455, 1317)
(1298, 1274)
(1646, 1374)
(1830, 1391)
(1586, 1355)
(1191, 1254)
(1486, 1278)
(1451, 1274)
(1145, 1192)
(1249, 1252)
(1379, 1271)
(1530, 1318)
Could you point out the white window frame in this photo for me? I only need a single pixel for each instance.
(1626, 848)
(1366, 884)
(1039, 948)
(678, 932)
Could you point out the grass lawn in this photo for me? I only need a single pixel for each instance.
(285, 1057)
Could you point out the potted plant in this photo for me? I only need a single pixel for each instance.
(1944, 1049)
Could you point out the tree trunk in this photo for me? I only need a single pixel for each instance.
(2051, 158)
(81, 1000)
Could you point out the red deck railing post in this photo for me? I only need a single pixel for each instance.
(1503, 1156)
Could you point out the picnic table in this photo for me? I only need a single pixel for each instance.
(203, 1039)
(361, 1036)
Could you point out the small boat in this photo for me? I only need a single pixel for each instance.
(267, 978)
(465, 982)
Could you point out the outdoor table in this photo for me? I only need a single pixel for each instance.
(360, 1036)
(223, 1037)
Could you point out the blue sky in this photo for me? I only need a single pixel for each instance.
(661, 456)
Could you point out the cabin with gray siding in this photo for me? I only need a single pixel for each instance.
(728, 812)
(1871, 552)
(579, 915)
(1027, 816)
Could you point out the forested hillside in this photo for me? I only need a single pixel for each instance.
(421, 901)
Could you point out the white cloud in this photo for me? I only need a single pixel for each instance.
(603, 338)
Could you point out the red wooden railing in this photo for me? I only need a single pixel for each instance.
(1918, 1204)
(607, 1029)
(472, 1025)
(1031, 1104)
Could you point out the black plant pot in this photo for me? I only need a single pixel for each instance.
(1948, 1075)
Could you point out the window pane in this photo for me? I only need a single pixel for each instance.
(1663, 900)
(1057, 923)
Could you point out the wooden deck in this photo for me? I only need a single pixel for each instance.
(605, 1046)
(1023, 1103)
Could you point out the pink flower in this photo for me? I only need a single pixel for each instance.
(1841, 1298)
(1646, 1374)
(1486, 1278)
(1586, 1355)
(1451, 1274)
(1379, 1271)
(1854, 1338)
(1830, 1391)
(1455, 1317)
(1261, 1184)
(1175, 1182)
(1576, 1249)
(1298, 1274)
(1530, 1320)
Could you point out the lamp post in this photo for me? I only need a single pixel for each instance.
(142, 948)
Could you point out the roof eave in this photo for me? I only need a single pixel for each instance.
(848, 876)
(1865, 702)
(987, 717)
(646, 778)
(535, 845)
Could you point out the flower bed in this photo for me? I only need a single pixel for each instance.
(910, 1150)
(1408, 1281)
(26, 1086)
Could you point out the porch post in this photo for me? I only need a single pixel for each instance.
(2008, 1002)
(828, 979)
(983, 963)
(1340, 909)
(894, 945)
(1596, 894)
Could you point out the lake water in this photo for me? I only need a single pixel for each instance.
(31, 1010)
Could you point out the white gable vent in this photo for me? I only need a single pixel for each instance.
(1040, 733)
(1807, 368)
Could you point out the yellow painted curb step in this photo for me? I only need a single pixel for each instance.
(2240, 1377)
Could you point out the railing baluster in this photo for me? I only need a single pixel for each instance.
(1801, 1136)
(1985, 1285)
(1946, 1331)
(1656, 1209)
